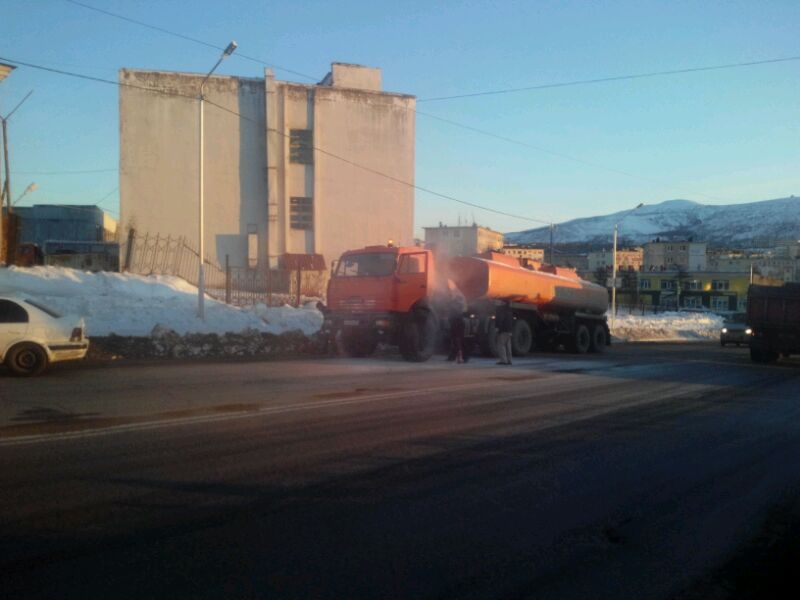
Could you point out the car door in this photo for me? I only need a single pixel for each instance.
(13, 324)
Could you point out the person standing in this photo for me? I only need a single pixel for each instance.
(457, 332)
(504, 322)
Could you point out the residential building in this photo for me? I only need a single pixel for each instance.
(684, 255)
(524, 251)
(290, 168)
(462, 240)
(628, 259)
(718, 291)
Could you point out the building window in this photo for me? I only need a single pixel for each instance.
(720, 303)
(644, 284)
(720, 285)
(301, 213)
(694, 285)
(691, 302)
(301, 146)
(667, 284)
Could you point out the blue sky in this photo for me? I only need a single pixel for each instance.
(717, 137)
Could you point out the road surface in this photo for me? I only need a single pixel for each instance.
(651, 471)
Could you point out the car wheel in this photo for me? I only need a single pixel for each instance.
(26, 360)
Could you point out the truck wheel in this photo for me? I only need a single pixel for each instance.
(598, 339)
(581, 340)
(359, 344)
(26, 360)
(521, 338)
(418, 338)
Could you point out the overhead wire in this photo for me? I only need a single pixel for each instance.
(546, 86)
(86, 172)
(494, 92)
(187, 38)
(318, 149)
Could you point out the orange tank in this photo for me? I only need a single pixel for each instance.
(493, 276)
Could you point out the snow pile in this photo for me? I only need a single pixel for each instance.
(133, 305)
(669, 326)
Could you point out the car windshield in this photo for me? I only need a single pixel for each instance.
(43, 308)
(737, 318)
(374, 264)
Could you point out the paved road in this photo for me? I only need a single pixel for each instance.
(635, 474)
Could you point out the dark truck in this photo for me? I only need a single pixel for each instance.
(773, 314)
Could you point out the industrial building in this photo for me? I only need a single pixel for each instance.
(462, 240)
(289, 168)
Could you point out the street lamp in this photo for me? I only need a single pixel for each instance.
(31, 188)
(614, 268)
(201, 273)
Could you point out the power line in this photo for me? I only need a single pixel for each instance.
(187, 38)
(546, 86)
(475, 129)
(65, 172)
(551, 152)
(318, 149)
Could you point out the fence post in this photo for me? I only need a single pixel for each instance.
(129, 249)
(227, 280)
(269, 286)
(299, 284)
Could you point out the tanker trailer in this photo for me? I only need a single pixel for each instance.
(552, 306)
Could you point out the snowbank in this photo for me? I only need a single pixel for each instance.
(669, 326)
(133, 305)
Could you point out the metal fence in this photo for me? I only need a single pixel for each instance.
(165, 255)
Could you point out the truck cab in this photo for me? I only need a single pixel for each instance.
(384, 293)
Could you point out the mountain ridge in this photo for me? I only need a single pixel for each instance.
(727, 224)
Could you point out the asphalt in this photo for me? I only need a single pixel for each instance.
(650, 471)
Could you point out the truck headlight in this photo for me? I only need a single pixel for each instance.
(748, 331)
(724, 330)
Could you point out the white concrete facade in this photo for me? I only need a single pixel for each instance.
(289, 168)
(462, 240)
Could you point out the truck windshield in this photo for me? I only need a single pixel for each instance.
(375, 264)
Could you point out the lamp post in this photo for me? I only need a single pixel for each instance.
(31, 188)
(614, 267)
(201, 273)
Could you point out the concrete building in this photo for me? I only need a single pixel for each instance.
(674, 255)
(628, 259)
(462, 240)
(290, 168)
(524, 251)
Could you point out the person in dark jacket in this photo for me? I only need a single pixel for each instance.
(504, 322)
(457, 332)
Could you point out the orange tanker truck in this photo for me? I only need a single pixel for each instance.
(402, 296)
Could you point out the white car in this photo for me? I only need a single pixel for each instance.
(32, 336)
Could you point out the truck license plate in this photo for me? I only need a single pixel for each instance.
(351, 322)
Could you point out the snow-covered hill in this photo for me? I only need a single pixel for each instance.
(721, 225)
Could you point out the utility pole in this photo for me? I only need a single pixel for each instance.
(10, 243)
(5, 71)
(614, 268)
